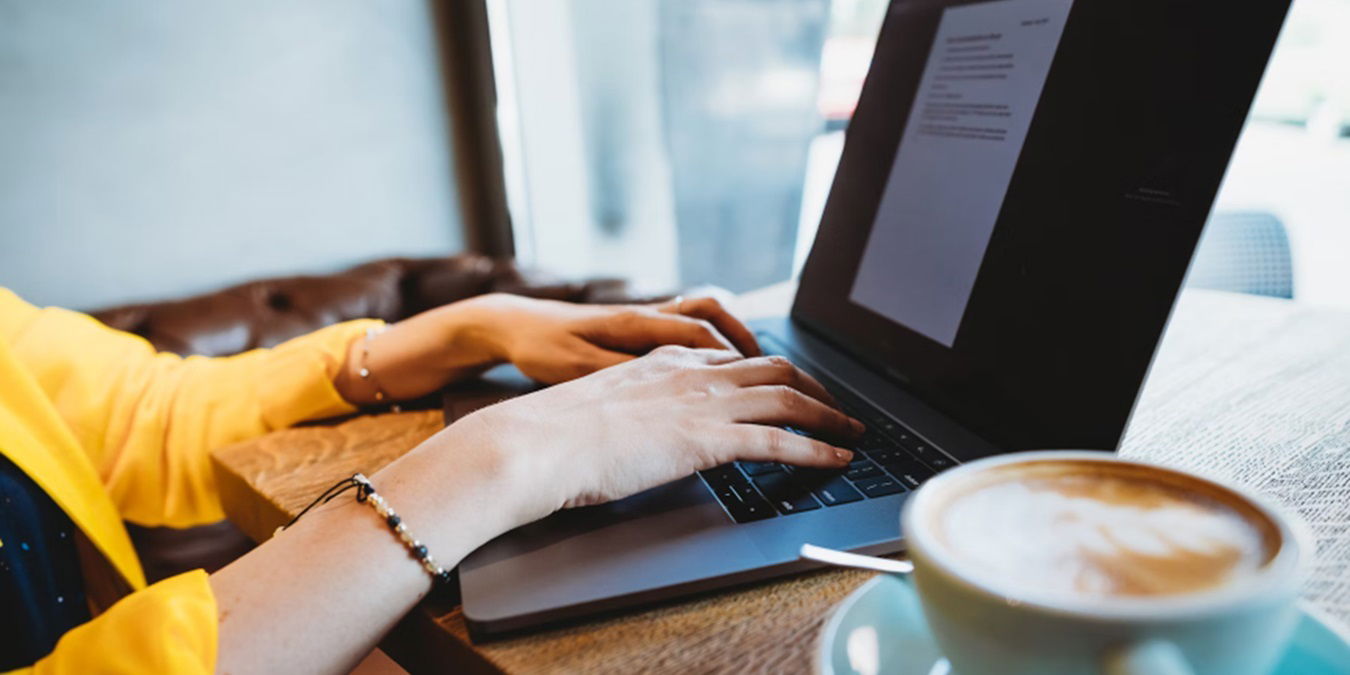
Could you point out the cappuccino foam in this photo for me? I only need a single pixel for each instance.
(1102, 529)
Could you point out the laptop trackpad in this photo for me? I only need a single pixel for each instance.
(667, 536)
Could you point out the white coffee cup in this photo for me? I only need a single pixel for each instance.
(985, 621)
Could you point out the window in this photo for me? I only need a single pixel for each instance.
(686, 142)
(1293, 160)
(670, 141)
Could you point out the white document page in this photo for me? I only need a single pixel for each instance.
(978, 93)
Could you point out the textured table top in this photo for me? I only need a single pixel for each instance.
(1256, 391)
(1247, 389)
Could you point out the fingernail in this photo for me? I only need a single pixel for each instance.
(843, 455)
(858, 426)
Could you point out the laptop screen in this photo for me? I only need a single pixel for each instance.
(1021, 189)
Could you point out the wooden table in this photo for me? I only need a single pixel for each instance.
(1248, 389)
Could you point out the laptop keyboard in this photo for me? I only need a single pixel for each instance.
(888, 459)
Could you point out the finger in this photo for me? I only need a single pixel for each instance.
(755, 443)
(777, 370)
(782, 406)
(641, 330)
(712, 311)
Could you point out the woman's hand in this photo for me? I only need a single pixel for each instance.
(558, 341)
(644, 423)
(319, 596)
(547, 340)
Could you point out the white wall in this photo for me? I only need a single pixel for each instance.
(153, 148)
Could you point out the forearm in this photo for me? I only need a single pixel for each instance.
(318, 597)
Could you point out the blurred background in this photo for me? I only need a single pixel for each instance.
(154, 149)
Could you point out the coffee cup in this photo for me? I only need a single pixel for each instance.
(1082, 562)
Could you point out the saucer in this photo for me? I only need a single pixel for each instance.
(879, 628)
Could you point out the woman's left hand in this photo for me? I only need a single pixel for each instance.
(547, 340)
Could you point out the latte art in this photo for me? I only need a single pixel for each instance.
(1076, 529)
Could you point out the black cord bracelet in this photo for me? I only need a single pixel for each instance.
(365, 493)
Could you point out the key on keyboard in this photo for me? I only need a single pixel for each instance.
(836, 491)
(909, 471)
(734, 491)
(759, 468)
(885, 456)
(857, 472)
(880, 486)
(786, 494)
(928, 455)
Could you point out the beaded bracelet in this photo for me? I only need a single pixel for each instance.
(365, 493)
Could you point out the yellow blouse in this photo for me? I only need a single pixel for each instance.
(113, 430)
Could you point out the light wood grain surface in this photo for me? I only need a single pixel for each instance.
(1252, 390)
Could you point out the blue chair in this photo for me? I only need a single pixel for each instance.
(1244, 252)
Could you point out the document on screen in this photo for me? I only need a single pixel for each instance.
(977, 96)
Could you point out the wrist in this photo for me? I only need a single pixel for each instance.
(476, 328)
(460, 488)
(510, 464)
(423, 353)
(353, 388)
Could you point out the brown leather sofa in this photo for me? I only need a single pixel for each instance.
(267, 312)
(270, 311)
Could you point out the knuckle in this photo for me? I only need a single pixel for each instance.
(720, 389)
(709, 356)
(703, 305)
(780, 364)
(825, 452)
(703, 329)
(708, 455)
(614, 321)
(787, 397)
(773, 442)
(839, 419)
(671, 351)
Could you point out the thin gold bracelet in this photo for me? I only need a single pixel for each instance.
(364, 371)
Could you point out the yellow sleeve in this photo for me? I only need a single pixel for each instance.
(169, 627)
(149, 420)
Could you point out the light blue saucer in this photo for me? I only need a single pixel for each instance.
(879, 628)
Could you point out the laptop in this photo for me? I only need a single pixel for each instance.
(1020, 193)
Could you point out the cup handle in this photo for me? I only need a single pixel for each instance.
(1151, 657)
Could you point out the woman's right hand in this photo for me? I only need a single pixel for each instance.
(653, 420)
(319, 596)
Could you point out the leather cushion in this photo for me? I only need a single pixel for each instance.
(270, 311)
